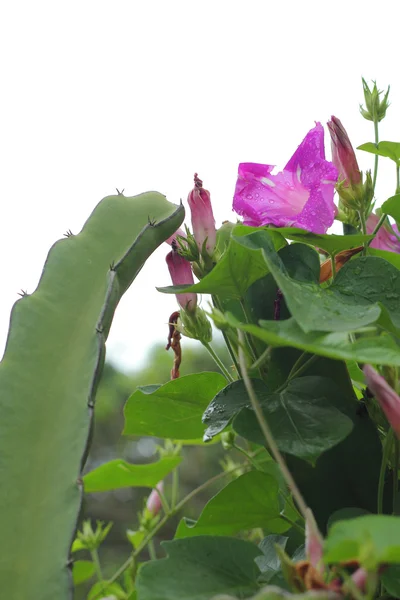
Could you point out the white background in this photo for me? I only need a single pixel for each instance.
(139, 95)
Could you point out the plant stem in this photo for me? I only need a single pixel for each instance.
(218, 362)
(378, 226)
(267, 432)
(298, 368)
(293, 523)
(174, 489)
(387, 448)
(163, 500)
(397, 179)
(262, 358)
(231, 351)
(131, 560)
(152, 550)
(247, 337)
(376, 156)
(246, 454)
(97, 567)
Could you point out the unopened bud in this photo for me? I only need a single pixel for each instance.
(203, 221)
(154, 504)
(375, 108)
(195, 325)
(181, 273)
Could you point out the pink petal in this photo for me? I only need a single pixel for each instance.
(300, 196)
(386, 396)
(384, 239)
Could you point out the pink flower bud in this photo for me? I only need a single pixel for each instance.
(386, 396)
(203, 222)
(314, 542)
(343, 156)
(181, 273)
(360, 577)
(154, 504)
(174, 235)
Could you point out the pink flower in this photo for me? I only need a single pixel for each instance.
(181, 273)
(384, 239)
(154, 504)
(386, 396)
(300, 196)
(203, 222)
(343, 156)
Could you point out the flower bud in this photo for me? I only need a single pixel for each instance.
(181, 273)
(174, 236)
(195, 325)
(154, 504)
(375, 108)
(203, 222)
(343, 156)
(314, 542)
(386, 396)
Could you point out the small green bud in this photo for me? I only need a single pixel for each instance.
(195, 325)
(375, 108)
(228, 440)
(90, 539)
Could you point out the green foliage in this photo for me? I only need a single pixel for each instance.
(200, 567)
(392, 205)
(388, 149)
(331, 243)
(373, 348)
(82, 570)
(247, 502)
(370, 540)
(119, 474)
(236, 271)
(174, 409)
(305, 417)
(48, 378)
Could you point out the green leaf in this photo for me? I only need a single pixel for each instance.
(173, 410)
(223, 407)
(376, 349)
(391, 580)
(274, 592)
(344, 514)
(331, 243)
(119, 474)
(101, 589)
(314, 307)
(269, 563)
(48, 380)
(239, 267)
(388, 149)
(302, 417)
(392, 257)
(200, 567)
(247, 502)
(392, 206)
(371, 540)
(82, 570)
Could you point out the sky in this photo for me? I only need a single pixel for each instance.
(139, 95)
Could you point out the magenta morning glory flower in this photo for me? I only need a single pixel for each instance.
(384, 239)
(299, 196)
